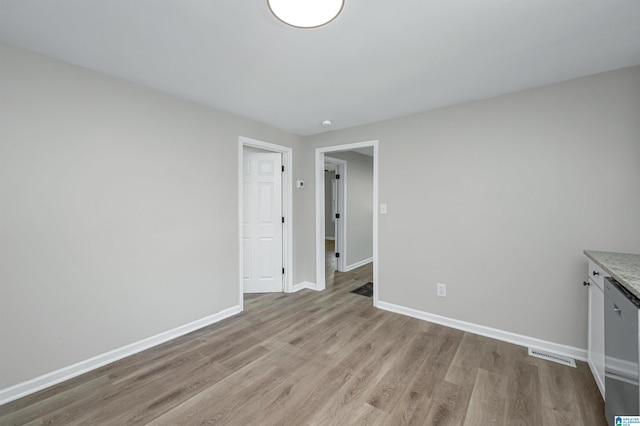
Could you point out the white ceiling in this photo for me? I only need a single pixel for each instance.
(368, 151)
(377, 60)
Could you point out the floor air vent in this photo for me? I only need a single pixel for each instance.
(550, 356)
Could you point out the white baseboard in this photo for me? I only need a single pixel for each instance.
(30, 386)
(303, 285)
(494, 333)
(596, 378)
(357, 264)
(330, 238)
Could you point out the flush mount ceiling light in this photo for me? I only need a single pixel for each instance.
(306, 13)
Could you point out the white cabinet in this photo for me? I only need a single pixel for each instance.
(596, 323)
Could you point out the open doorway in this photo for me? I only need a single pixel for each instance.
(265, 212)
(357, 246)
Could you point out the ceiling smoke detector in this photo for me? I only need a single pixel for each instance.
(306, 13)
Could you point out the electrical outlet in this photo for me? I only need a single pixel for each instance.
(441, 290)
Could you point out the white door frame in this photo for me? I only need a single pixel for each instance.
(341, 225)
(287, 210)
(320, 232)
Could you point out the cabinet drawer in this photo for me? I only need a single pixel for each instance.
(597, 274)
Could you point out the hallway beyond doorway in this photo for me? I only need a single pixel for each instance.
(337, 279)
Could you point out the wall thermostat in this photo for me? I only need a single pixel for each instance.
(299, 184)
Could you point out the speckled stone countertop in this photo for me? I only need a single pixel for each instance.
(623, 267)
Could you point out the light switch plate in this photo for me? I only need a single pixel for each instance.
(383, 209)
(299, 184)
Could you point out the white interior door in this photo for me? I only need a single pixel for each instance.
(262, 222)
(341, 211)
(334, 210)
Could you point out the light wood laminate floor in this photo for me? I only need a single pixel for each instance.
(330, 263)
(321, 358)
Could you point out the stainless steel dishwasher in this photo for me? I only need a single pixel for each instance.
(621, 351)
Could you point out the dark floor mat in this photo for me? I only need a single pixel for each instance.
(365, 290)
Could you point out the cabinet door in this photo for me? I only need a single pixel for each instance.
(597, 274)
(596, 333)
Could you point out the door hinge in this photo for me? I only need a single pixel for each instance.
(283, 168)
(337, 215)
(337, 254)
(282, 271)
(282, 219)
(337, 176)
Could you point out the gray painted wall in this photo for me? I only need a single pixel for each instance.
(359, 205)
(118, 213)
(498, 198)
